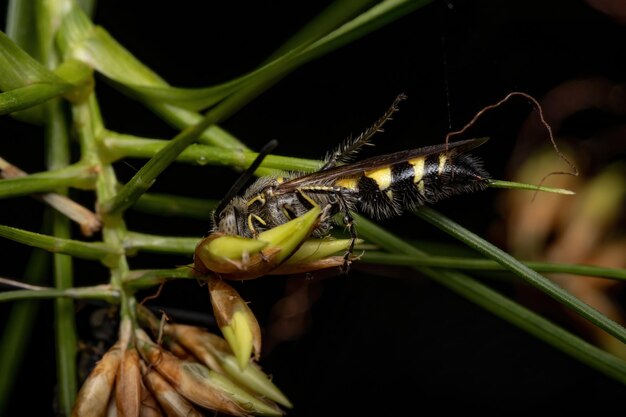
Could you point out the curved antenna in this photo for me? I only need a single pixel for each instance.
(244, 177)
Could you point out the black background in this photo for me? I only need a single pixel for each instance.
(376, 345)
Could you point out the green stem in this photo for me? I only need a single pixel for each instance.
(85, 250)
(146, 176)
(77, 176)
(450, 262)
(502, 306)
(336, 14)
(65, 324)
(528, 275)
(183, 119)
(118, 146)
(90, 130)
(18, 328)
(161, 244)
(31, 95)
(510, 185)
(141, 279)
(174, 205)
(102, 293)
(377, 16)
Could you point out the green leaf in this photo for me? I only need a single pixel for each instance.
(25, 82)
(18, 69)
(94, 46)
(19, 25)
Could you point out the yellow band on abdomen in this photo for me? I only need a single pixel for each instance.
(382, 176)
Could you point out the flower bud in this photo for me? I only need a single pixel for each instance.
(128, 384)
(214, 352)
(239, 258)
(200, 385)
(93, 397)
(236, 321)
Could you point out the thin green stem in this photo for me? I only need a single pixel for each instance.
(510, 185)
(141, 279)
(328, 20)
(85, 250)
(78, 176)
(377, 16)
(31, 95)
(534, 324)
(183, 118)
(114, 229)
(118, 146)
(450, 262)
(18, 328)
(101, 292)
(161, 244)
(502, 306)
(174, 205)
(528, 275)
(63, 271)
(146, 176)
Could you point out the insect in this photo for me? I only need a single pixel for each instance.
(380, 187)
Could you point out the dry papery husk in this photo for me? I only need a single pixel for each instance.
(93, 397)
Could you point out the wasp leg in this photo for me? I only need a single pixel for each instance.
(251, 219)
(288, 211)
(306, 198)
(349, 222)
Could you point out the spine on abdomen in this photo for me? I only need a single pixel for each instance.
(388, 191)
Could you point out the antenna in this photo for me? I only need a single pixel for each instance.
(244, 177)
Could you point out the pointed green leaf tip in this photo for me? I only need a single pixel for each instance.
(232, 247)
(289, 236)
(522, 186)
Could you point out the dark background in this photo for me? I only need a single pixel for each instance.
(376, 345)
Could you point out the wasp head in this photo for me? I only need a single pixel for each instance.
(231, 219)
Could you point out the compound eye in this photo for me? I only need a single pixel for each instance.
(228, 222)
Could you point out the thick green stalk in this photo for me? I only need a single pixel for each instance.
(19, 26)
(58, 157)
(90, 129)
(31, 95)
(65, 325)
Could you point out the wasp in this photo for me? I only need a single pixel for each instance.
(381, 187)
